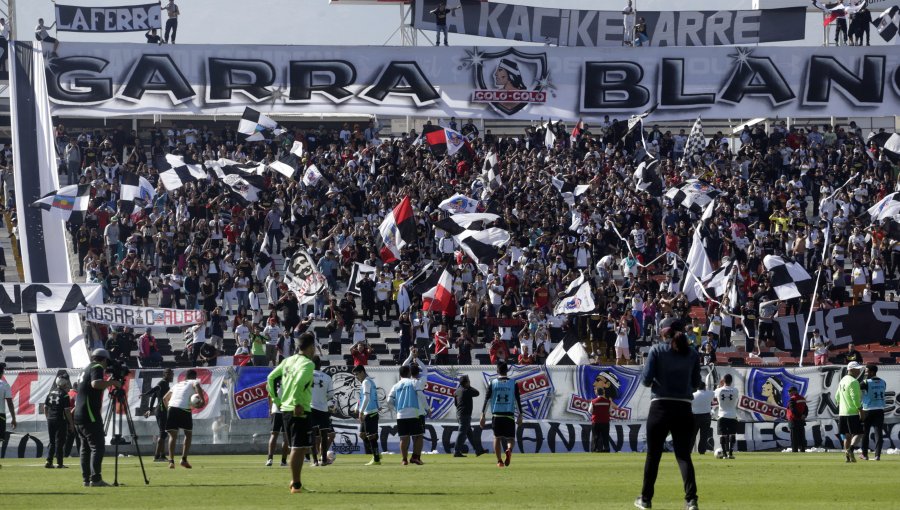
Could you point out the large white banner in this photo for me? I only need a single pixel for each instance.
(143, 317)
(555, 402)
(106, 80)
(41, 298)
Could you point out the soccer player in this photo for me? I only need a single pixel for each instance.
(322, 406)
(419, 372)
(849, 399)
(503, 397)
(727, 396)
(404, 398)
(873, 389)
(59, 421)
(277, 428)
(296, 374)
(368, 413)
(178, 401)
(159, 409)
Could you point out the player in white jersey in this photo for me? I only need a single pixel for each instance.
(727, 396)
(320, 419)
(178, 401)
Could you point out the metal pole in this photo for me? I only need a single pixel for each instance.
(12, 20)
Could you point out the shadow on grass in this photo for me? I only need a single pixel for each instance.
(398, 493)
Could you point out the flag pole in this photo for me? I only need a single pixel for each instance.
(812, 304)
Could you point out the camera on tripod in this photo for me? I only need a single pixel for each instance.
(117, 372)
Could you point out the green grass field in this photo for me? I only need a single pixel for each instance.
(596, 481)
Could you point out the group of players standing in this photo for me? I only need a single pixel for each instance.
(302, 393)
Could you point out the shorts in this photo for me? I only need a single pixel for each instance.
(161, 421)
(49, 39)
(277, 422)
(409, 427)
(179, 419)
(849, 425)
(297, 431)
(369, 425)
(727, 426)
(2, 425)
(504, 426)
(320, 420)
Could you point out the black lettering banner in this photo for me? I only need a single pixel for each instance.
(573, 27)
(128, 18)
(868, 323)
(523, 83)
(48, 297)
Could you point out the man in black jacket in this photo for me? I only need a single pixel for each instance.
(89, 419)
(367, 296)
(464, 395)
(59, 420)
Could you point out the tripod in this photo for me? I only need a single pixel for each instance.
(117, 397)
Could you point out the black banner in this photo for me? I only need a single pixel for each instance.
(573, 27)
(868, 323)
(128, 18)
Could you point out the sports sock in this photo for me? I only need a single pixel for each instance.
(373, 444)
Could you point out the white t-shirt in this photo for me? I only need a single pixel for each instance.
(322, 392)
(728, 401)
(5, 393)
(242, 332)
(182, 393)
(702, 402)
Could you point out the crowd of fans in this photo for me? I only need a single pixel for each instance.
(198, 248)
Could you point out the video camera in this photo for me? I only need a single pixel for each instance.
(117, 371)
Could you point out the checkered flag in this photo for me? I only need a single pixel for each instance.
(888, 24)
(569, 352)
(695, 144)
(694, 195)
(788, 278)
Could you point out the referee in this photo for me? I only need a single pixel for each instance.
(296, 373)
(672, 371)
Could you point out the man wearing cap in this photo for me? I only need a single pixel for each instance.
(850, 413)
(88, 417)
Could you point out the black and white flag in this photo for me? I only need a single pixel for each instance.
(222, 167)
(888, 144)
(357, 274)
(887, 207)
(254, 125)
(244, 189)
(459, 223)
(491, 183)
(570, 192)
(577, 298)
(716, 283)
(180, 172)
(888, 23)
(569, 351)
(695, 145)
(288, 164)
(135, 191)
(69, 202)
(789, 279)
(694, 195)
(490, 162)
(646, 178)
(304, 278)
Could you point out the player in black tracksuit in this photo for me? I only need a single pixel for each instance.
(59, 421)
(158, 408)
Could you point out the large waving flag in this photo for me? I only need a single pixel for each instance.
(888, 24)
(68, 202)
(647, 179)
(397, 230)
(789, 279)
(180, 172)
(699, 264)
(888, 144)
(288, 164)
(461, 204)
(437, 299)
(135, 190)
(445, 140)
(694, 194)
(254, 124)
(695, 145)
(577, 298)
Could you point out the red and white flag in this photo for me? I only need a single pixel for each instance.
(576, 131)
(438, 298)
(397, 230)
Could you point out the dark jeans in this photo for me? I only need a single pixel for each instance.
(171, 26)
(600, 437)
(466, 432)
(874, 420)
(93, 444)
(798, 435)
(57, 432)
(703, 429)
(676, 417)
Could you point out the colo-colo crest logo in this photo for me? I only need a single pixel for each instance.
(535, 389)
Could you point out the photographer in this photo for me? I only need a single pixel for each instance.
(88, 417)
(59, 420)
(158, 408)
